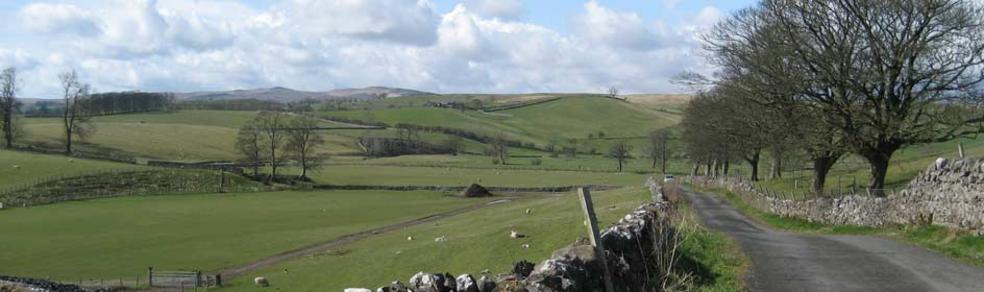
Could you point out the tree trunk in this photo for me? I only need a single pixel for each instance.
(707, 170)
(695, 169)
(753, 162)
(727, 167)
(654, 163)
(878, 163)
(663, 161)
(8, 126)
(776, 170)
(619, 165)
(715, 166)
(821, 167)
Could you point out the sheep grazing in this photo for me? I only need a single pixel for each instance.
(261, 282)
(17, 167)
(529, 211)
(441, 239)
(409, 238)
(526, 246)
(515, 234)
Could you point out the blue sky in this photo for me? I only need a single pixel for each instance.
(495, 46)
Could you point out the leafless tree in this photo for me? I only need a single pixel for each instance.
(883, 74)
(621, 152)
(302, 141)
(8, 104)
(454, 144)
(613, 92)
(658, 148)
(499, 148)
(74, 117)
(250, 145)
(272, 124)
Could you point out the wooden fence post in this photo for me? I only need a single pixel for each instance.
(595, 236)
(150, 276)
(960, 149)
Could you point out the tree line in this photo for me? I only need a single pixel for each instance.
(273, 137)
(826, 78)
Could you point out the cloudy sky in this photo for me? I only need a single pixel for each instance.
(495, 46)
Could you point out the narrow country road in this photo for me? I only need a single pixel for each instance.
(783, 261)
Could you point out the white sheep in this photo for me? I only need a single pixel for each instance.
(261, 282)
(443, 238)
(515, 234)
(526, 246)
(409, 238)
(529, 211)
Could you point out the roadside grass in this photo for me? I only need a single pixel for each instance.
(715, 259)
(906, 164)
(475, 241)
(17, 167)
(960, 245)
(121, 237)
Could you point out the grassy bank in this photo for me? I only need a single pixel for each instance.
(714, 259)
(960, 245)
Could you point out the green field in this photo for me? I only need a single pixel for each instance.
(571, 117)
(442, 176)
(121, 237)
(18, 168)
(476, 241)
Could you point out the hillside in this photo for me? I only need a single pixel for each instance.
(283, 94)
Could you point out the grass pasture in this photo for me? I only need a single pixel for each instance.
(17, 168)
(476, 241)
(121, 237)
(446, 176)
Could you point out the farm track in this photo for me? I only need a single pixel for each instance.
(233, 272)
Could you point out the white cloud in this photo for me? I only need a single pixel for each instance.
(58, 19)
(608, 27)
(186, 45)
(504, 9)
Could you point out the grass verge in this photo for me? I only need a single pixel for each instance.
(956, 244)
(714, 258)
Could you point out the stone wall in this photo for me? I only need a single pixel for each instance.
(635, 248)
(949, 193)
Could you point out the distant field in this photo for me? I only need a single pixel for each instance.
(476, 241)
(178, 136)
(571, 117)
(23, 167)
(397, 175)
(121, 237)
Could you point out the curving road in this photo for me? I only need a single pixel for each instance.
(783, 261)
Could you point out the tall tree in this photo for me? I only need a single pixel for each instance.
(621, 152)
(272, 124)
(8, 104)
(249, 142)
(302, 141)
(658, 148)
(74, 118)
(885, 74)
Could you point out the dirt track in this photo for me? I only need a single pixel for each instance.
(232, 272)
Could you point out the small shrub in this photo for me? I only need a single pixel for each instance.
(536, 161)
(495, 161)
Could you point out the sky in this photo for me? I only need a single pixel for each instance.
(444, 46)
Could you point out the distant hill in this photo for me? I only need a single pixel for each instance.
(283, 94)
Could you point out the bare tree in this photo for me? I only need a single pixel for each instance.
(454, 144)
(74, 118)
(658, 148)
(499, 148)
(302, 141)
(249, 143)
(621, 152)
(272, 124)
(8, 104)
(613, 92)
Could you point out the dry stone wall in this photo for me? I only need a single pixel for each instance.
(949, 193)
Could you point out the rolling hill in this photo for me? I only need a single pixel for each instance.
(283, 94)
